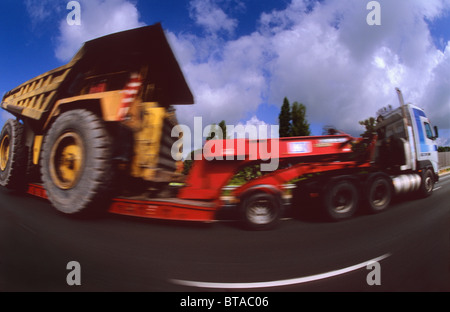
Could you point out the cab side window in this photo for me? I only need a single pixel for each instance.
(429, 131)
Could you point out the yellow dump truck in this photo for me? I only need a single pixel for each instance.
(99, 125)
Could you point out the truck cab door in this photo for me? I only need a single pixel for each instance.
(425, 138)
(430, 142)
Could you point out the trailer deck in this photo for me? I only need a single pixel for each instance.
(201, 198)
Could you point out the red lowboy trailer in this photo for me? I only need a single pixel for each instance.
(342, 175)
(259, 202)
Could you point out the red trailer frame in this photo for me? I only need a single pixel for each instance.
(200, 198)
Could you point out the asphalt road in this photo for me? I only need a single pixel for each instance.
(410, 242)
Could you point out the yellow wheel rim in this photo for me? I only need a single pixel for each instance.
(66, 160)
(4, 152)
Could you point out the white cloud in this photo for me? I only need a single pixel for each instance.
(98, 18)
(263, 129)
(436, 94)
(343, 69)
(228, 80)
(323, 55)
(211, 17)
(40, 10)
(254, 121)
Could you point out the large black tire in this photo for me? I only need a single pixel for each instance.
(340, 199)
(378, 193)
(13, 156)
(427, 184)
(76, 164)
(261, 211)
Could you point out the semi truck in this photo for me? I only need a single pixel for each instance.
(337, 172)
(96, 135)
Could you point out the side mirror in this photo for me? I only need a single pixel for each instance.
(436, 132)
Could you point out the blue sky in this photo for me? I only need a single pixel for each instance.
(242, 57)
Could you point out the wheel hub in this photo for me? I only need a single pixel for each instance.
(66, 160)
(380, 195)
(342, 201)
(4, 152)
(260, 212)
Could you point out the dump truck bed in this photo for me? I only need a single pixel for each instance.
(123, 51)
(36, 96)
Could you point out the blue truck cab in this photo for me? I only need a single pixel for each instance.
(407, 149)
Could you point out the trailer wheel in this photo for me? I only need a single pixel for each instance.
(13, 155)
(378, 193)
(76, 163)
(340, 199)
(261, 211)
(427, 184)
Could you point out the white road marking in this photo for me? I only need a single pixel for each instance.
(287, 282)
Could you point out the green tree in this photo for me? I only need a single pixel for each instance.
(369, 124)
(223, 126)
(292, 120)
(299, 125)
(285, 119)
(212, 132)
(246, 174)
(215, 133)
